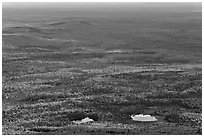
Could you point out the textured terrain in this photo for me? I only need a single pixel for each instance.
(64, 65)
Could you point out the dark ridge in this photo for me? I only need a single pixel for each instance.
(58, 23)
(31, 29)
